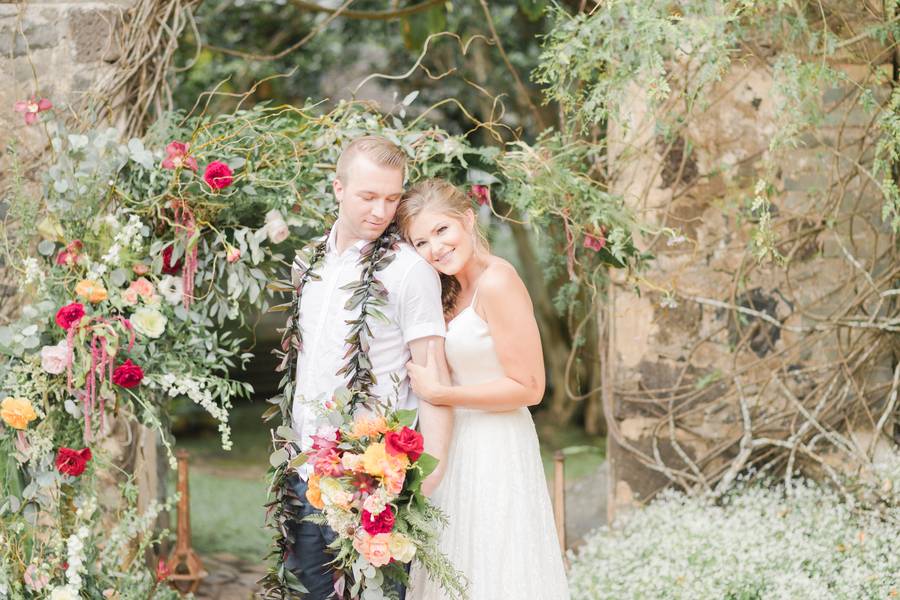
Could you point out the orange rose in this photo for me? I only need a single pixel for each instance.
(91, 290)
(17, 412)
(313, 493)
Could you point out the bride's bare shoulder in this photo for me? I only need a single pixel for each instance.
(499, 279)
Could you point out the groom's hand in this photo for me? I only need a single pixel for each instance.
(424, 372)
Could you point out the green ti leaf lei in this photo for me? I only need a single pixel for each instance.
(368, 294)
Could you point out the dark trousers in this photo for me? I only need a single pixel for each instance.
(309, 557)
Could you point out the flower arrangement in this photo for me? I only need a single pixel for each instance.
(365, 475)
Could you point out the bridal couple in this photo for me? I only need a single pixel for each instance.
(461, 335)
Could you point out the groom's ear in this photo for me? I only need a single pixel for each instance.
(338, 188)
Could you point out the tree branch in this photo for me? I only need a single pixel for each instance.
(371, 15)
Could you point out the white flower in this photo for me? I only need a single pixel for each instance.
(63, 593)
(172, 289)
(149, 322)
(276, 228)
(54, 358)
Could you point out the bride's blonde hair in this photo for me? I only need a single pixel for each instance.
(442, 196)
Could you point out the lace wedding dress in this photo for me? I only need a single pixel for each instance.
(501, 533)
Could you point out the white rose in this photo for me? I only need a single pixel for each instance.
(172, 289)
(401, 547)
(149, 322)
(54, 358)
(276, 228)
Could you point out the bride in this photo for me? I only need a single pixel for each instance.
(501, 533)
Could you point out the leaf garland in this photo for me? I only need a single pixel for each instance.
(368, 294)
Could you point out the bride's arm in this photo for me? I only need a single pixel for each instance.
(503, 298)
(435, 422)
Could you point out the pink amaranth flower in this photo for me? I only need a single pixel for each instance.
(32, 107)
(177, 156)
(218, 175)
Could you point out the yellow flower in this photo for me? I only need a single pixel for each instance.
(375, 459)
(91, 290)
(17, 412)
(334, 494)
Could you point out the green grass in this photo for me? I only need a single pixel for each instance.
(228, 489)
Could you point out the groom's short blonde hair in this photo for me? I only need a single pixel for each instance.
(379, 150)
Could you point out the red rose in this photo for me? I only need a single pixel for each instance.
(72, 462)
(168, 267)
(128, 374)
(407, 441)
(383, 522)
(69, 315)
(218, 175)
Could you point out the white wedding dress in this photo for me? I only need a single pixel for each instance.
(501, 533)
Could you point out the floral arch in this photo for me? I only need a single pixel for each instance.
(134, 257)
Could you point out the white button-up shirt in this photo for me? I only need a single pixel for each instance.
(413, 309)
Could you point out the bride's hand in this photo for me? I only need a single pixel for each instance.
(425, 380)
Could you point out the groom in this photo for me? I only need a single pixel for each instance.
(368, 186)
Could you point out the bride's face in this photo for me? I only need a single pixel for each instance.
(444, 240)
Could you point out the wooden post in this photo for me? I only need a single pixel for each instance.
(184, 564)
(559, 500)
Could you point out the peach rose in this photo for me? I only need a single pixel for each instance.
(91, 290)
(17, 412)
(130, 296)
(143, 287)
(313, 493)
(374, 548)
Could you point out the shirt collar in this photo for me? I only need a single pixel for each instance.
(331, 243)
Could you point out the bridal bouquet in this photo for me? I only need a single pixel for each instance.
(366, 478)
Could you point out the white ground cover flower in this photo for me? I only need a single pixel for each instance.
(758, 544)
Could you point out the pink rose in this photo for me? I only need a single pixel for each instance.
(218, 175)
(55, 358)
(69, 315)
(140, 268)
(232, 255)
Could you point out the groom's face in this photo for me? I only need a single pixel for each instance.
(368, 197)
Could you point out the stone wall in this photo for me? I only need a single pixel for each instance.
(688, 373)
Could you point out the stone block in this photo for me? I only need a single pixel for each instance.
(95, 34)
(33, 35)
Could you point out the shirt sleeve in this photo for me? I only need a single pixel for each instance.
(421, 313)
